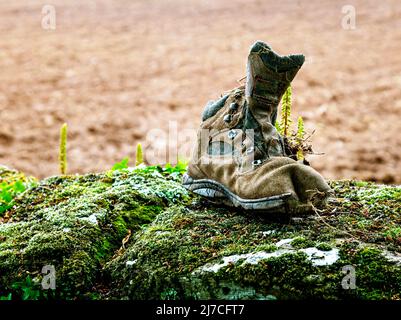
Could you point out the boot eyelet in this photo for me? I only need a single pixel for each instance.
(227, 118)
(233, 106)
(257, 162)
(232, 134)
(250, 150)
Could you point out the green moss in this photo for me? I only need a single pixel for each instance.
(104, 250)
(302, 242)
(171, 252)
(361, 183)
(169, 294)
(323, 246)
(266, 248)
(77, 223)
(377, 278)
(393, 233)
(171, 257)
(120, 226)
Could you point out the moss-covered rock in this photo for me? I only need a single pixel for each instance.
(137, 234)
(77, 223)
(205, 252)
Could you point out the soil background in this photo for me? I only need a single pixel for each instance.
(129, 71)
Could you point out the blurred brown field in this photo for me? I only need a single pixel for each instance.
(115, 70)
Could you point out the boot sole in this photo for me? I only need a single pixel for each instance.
(219, 193)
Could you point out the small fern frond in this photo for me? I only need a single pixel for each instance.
(278, 127)
(300, 137)
(62, 158)
(286, 112)
(300, 154)
(139, 155)
(300, 129)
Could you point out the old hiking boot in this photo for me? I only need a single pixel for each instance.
(239, 158)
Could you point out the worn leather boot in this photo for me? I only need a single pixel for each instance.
(239, 158)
